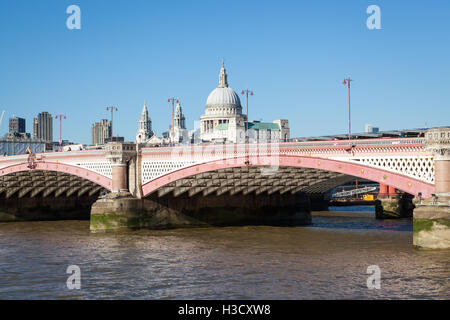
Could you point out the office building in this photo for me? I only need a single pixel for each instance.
(101, 131)
(43, 127)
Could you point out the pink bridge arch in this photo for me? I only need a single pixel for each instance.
(64, 168)
(401, 182)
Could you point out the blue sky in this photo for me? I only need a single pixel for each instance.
(292, 54)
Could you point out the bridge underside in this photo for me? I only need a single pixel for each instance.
(46, 195)
(53, 184)
(244, 195)
(255, 181)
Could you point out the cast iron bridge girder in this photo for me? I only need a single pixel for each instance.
(34, 183)
(248, 180)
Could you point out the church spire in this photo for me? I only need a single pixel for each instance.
(144, 108)
(178, 106)
(223, 76)
(145, 126)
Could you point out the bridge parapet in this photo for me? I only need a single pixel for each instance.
(333, 148)
(437, 141)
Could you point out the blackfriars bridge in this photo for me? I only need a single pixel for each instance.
(172, 186)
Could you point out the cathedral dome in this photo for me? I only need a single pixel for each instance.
(223, 100)
(223, 97)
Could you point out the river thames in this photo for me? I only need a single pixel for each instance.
(327, 260)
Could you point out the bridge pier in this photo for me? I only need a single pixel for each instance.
(119, 180)
(383, 192)
(199, 211)
(393, 207)
(432, 216)
(120, 155)
(318, 202)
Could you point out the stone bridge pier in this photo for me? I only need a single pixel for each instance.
(390, 204)
(432, 216)
(122, 157)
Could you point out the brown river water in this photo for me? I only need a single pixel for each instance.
(327, 260)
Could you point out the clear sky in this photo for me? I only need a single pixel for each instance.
(293, 54)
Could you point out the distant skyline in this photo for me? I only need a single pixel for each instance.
(292, 54)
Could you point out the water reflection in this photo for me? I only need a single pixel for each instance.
(326, 260)
(360, 218)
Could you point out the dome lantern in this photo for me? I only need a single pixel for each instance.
(223, 76)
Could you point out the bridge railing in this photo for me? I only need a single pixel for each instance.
(349, 193)
(327, 148)
(304, 144)
(61, 157)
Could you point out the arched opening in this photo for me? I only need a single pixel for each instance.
(252, 180)
(399, 181)
(49, 192)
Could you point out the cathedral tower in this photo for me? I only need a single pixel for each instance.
(145, 126)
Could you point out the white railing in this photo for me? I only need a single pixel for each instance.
(349, 193)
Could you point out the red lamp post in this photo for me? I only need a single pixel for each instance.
(347, 82)
(246, 92)
(112, 109)
(61, 117)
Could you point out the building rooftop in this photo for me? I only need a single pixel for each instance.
(222, 126)
(364, 135)
(256, 125)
